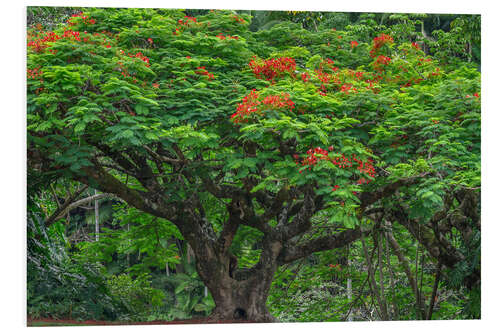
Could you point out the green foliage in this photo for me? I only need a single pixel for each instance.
(59, 286)
(136, 294)
(137, 233)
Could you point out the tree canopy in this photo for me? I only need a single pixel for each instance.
(302, 140)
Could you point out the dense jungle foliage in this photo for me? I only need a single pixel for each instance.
(289, 166)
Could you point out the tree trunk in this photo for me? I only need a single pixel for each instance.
(241, 300)
(239, 295)
(349, 283)
(96, 209)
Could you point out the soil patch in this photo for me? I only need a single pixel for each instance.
(71, 322)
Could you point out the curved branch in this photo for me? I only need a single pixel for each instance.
(302, 220)
(291, 252)
(438, 247)
(97, 177)
(56, 215)
(75, 204)
(368, 198)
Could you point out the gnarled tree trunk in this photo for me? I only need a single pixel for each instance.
(241, 300)
(239, 295)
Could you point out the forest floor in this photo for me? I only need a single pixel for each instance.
(71, 322)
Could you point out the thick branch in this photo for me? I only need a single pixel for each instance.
(302, 221)
(368, 198)
(292, 252)
(220, 191)
(406, 267)
(82, 202)
(162, 158)
(439, 248)
(241, 211)
(64, 205)
(97, 177)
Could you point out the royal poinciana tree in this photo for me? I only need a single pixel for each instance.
(194, 118)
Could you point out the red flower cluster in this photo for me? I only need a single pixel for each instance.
(435, 72)
(378, 42)
(380, 62)
(187, 20)
(342, 162)
(412, 82)
(326, 77)
(475, 95)
(202, 71)
(279, 102)
(222, 37)
(273, 68)
(40, 44)
(365, 167)
(354, 44)
(34, 73)
(70, 34)
(246, 108)
(336, 266)
(422, 60)
(85, 19)
(252, 103)
(123, 71)
(346, 87)
(238, 19)
(139, 55)
(415, 45)
(305, 77)
(322, 76)
(312, 159)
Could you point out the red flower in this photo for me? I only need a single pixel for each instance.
(354, 44)
(251, 105)
(272, 68)
(305, 77)
(378, 42)
(150, 40)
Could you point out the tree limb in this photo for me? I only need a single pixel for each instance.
(64, 205)
(82, 202)
(368, 198)
(291, 251)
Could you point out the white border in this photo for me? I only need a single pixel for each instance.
(12, 113)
